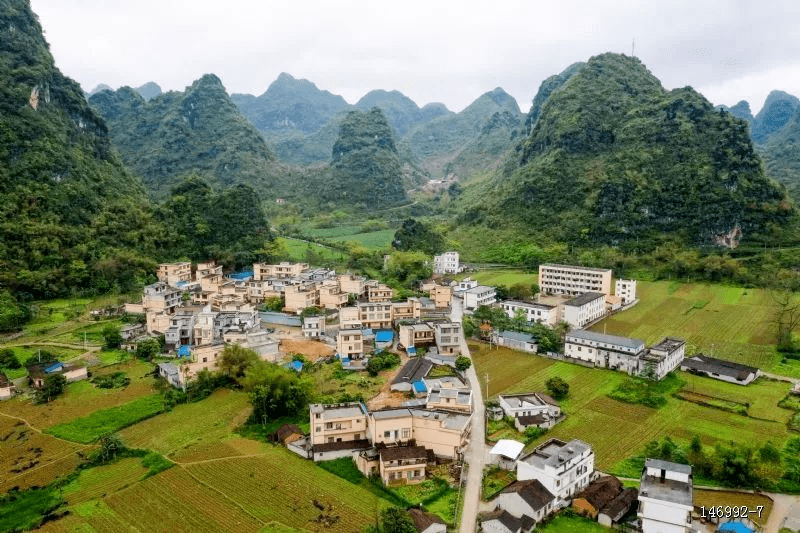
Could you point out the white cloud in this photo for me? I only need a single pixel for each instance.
(430, 50)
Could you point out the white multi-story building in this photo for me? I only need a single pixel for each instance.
(478, 296)
(447, 263)
(313, 326)
(563, 468)
(584, 309)
(665, 497)
(625, 289)
(607, 351)
(663, 358)
(574, 280)
(534, 312)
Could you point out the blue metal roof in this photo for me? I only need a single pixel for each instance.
(411, 350)
(241, 276)
(184, 350)
(53, 367)
(296, 365)
(384, 335)
(419, 386)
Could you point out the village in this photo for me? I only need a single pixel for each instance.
(434, 412)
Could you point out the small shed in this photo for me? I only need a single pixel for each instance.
(508, 451)
(287, 433)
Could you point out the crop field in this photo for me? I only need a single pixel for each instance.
(82, 398)
(29, 458)
(338, 231)
(373, 240)
(88, 428)
(729, 322)
(507, 277)
(619, 430)
(710, 498)
(174, 501)
(188, 427)
(297, 250)
(261, 486)
(104, 480)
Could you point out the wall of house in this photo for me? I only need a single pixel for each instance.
(495, 526)
(394, 473)
(663, 517)
(400, 429)
(339, 429)
(443, 442)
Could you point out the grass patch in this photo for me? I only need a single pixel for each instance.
(571, 524)
(494, 480)
(794, 422)
(441, 371)
(373, 240)
(155, 463)
(713, 401)
(22, 511)
(89, 428)
(502, 429)
(709, 498)
(507, 277)
(298, 250)
(645, 392)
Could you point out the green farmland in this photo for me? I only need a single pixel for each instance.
(298, 250)
(619, 430)
(732, 323)
(507, 277)
(374, 240)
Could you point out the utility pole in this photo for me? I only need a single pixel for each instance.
(487, 386)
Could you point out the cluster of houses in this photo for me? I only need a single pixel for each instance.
(200, 312)
(557, 474)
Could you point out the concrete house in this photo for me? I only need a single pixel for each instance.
(501, 521)
(282, 270)
(375, 315)
(665, 497)
(174, 273)
(607, 351)
(355, 285)
(446, 263)
(574, 280)
(507, 452)
(350, 344)
(171, 373)
(159, 302)
(441, 296)
(342, 422)
(349, 318)
(7, 388)
(300, 296)
(477, 296)
(378, 292)
(448, 337)
(403, 464)
(450, 400)
(625, 290)
(530, 409)
(331, 295)
(445, 433)
(664, 357)
(720, 369)
(516, 340)
(534, 312)
(313, 326)
(413, 335)
(527, 498)
(564, 468)
(584, 309)
(181, 329)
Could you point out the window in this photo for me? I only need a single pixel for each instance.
(387, 434)
(406, 433)
(319, 428)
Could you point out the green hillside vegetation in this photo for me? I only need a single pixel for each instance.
(437, 142)
(782, 156)
(149, 90)
(290, 105)
(73, 218)
(740, 110)
(199, 131)
(779, 107)
(486, 151)
(365, 166)
(546, 89)
(615, 157)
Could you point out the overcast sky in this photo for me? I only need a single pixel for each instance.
(432, 50)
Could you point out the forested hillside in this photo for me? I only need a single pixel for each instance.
(199, 131)
(72, 217)
(615, 157)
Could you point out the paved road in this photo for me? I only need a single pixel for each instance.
(780, 509)
(476, 451)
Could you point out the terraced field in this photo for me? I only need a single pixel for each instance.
(619, 430)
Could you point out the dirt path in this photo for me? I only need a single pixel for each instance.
(387, 397)
(782, 503)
